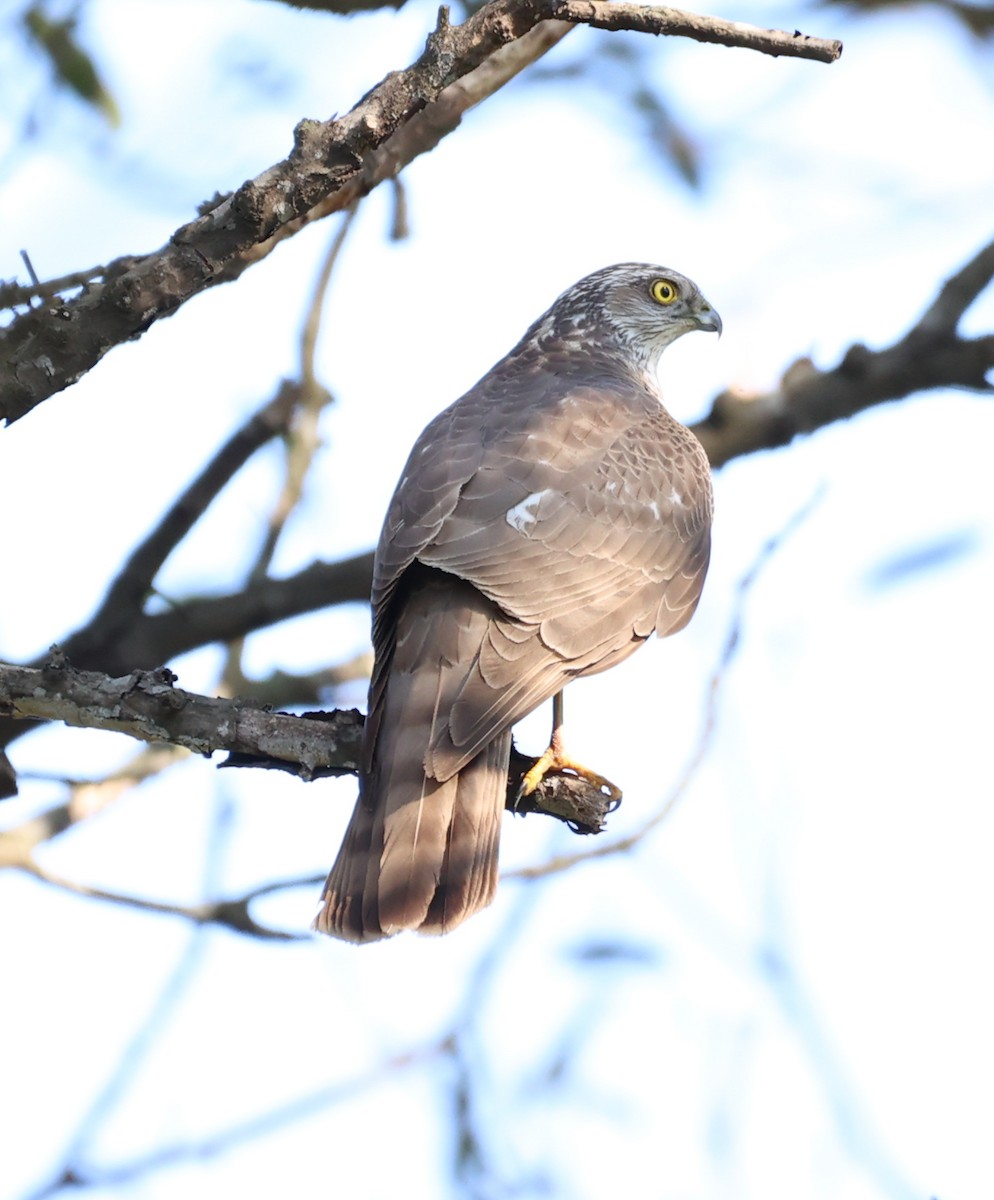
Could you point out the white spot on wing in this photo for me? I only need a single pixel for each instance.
(522, 516)
(654, 509)
(675, 497)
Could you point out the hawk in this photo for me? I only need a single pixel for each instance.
(545, 525)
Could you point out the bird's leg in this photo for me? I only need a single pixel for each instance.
(555, 758)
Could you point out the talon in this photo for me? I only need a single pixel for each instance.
(555, 759)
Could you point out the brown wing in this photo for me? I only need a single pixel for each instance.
(583, 512)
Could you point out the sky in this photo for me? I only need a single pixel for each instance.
(783, 991)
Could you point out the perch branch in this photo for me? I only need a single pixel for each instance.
(148, 706)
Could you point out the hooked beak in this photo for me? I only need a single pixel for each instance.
(707, 319)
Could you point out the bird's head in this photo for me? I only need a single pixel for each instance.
(634, 308)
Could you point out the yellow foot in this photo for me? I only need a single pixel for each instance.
(556, 759)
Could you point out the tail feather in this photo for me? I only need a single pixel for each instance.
(469, 872)
(389, 877)
(421, 853)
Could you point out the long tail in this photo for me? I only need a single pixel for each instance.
(419, 852)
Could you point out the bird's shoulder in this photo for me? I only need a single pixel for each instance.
(541, 440)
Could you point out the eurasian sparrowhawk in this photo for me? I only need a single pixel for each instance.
(545, 525)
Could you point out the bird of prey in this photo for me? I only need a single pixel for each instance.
(545, 525)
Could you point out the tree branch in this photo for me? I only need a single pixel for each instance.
(930, 355)
(78, 1172)
(957, 294)
(146, 705)
(233, 914)
(152, 639)
(674, 22)
(145, 641)
(48, 348)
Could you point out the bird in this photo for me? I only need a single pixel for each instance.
(545, 525)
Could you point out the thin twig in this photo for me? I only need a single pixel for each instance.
(13, 294)
(73, 1171)
(302, 441)
(231, 914)
(674, 22)
(86, 799)
(36, 284)
(249, 1131)
(301, 444)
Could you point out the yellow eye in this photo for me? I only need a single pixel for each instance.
(664, 291)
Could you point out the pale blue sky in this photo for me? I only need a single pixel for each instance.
(808, 1013)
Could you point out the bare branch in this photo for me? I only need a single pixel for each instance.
(17, 844)
(160, 637)
(301, 444)
(8, 777)
(46, 349)
(930, 355)
(421, 134)
(248, 1131)
(674, 22)
(146, 705)
(86, 798)
(283, 689)
(231, 914)
(342, 6)
(145, 641)
(956, 295)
